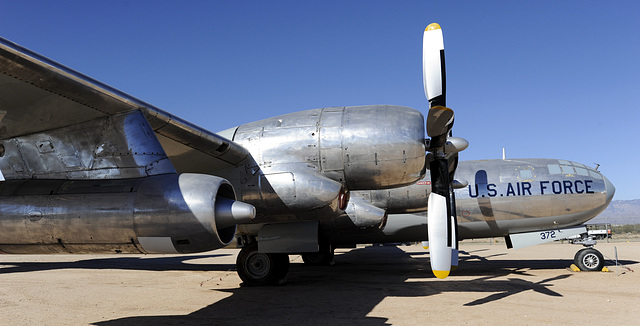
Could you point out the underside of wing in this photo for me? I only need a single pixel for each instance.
(72, 126)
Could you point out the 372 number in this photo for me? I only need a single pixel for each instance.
(547, 235)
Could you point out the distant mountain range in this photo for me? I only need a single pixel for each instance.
(620, 212)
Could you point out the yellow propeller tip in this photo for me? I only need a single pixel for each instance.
(432, 26)
(441, 274)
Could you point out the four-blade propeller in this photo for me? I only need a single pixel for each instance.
(442, 158)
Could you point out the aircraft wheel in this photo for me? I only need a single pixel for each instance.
(324, 257)
(258, 268)
(317, 258)
(589, 259)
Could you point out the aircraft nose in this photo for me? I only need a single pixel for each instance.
(610, 189)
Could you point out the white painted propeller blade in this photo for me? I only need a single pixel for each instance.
(433, 72)
(437, 220)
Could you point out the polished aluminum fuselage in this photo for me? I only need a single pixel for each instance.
(502, 197)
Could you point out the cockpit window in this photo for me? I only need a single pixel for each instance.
(573, 168)
(567, 169)
(582, 171)
(554, 169)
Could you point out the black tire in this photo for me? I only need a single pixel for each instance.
(258, 268)
(589, 259)
(323, 257)
(317, 258)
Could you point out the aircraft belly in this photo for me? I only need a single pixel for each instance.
(398, 228)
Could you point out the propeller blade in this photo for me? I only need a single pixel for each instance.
(439, 117)
(439, 253)
(442, 159)
(439, 121)
(439, 222)
(425, 244)
(433, 72)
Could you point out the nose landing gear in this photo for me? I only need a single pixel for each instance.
(588, 259)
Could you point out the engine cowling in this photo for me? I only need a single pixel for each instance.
(364, 215)
(199, 214)
(363, 147)
(298, 190)
(160, 214)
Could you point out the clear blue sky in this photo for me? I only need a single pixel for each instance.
(554, 79)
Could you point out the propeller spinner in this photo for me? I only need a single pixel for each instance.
(442, 157)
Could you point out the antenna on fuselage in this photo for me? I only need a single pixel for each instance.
(597, 165)
(504, 154)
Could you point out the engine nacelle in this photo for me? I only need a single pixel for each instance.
(363, 147)
(297, 190)
(160, 214)
(364, 215)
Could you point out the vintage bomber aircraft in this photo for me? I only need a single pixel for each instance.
(85, 168)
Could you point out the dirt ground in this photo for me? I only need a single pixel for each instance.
(366, 286)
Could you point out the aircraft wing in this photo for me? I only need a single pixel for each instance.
(38, 95)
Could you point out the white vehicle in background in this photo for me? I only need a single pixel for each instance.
(599, 231)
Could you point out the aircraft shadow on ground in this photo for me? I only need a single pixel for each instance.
(158, 264)
(361, 279)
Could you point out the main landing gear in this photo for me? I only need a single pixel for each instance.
(324, 257)
(258, 268)
(588, 259)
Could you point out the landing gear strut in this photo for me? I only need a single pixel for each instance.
(259, 268)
